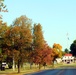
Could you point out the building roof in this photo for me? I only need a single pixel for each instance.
(68, 54)
(67, 57)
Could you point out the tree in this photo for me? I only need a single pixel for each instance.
(19, 38)
(43, 56)
(3, 28)
(66, 50)
(38, 39)
(2, 7)
(57, 51)
(38, 42)
(73, 48)
(63, 53)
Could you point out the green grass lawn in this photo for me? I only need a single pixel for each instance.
(24, 70)
(60, 65)
(27, 69)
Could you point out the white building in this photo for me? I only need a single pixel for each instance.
(58, 60)
(68, 58)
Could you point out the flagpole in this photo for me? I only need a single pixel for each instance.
(67, 41)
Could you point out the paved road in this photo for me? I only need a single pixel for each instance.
(68, 71)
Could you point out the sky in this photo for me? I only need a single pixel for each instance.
(57, 17)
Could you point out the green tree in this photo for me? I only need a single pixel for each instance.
(73, 48)
(66, 50)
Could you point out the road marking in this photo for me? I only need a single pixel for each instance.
(60, 73)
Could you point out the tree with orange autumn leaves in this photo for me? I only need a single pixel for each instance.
(41, 54)
(38, 38)
(24, 43)
(57, 51)
(42, 57)
(3, 28)
(19, 39)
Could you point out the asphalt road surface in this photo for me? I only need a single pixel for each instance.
(68, 71)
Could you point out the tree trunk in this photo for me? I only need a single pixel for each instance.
(18, 66)
(30, 65)
(22, 65)
(53, 64)
(44, 66)
(39, 66)
(13, 64)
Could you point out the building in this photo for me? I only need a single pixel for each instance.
(58, 60)
(68, 58)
